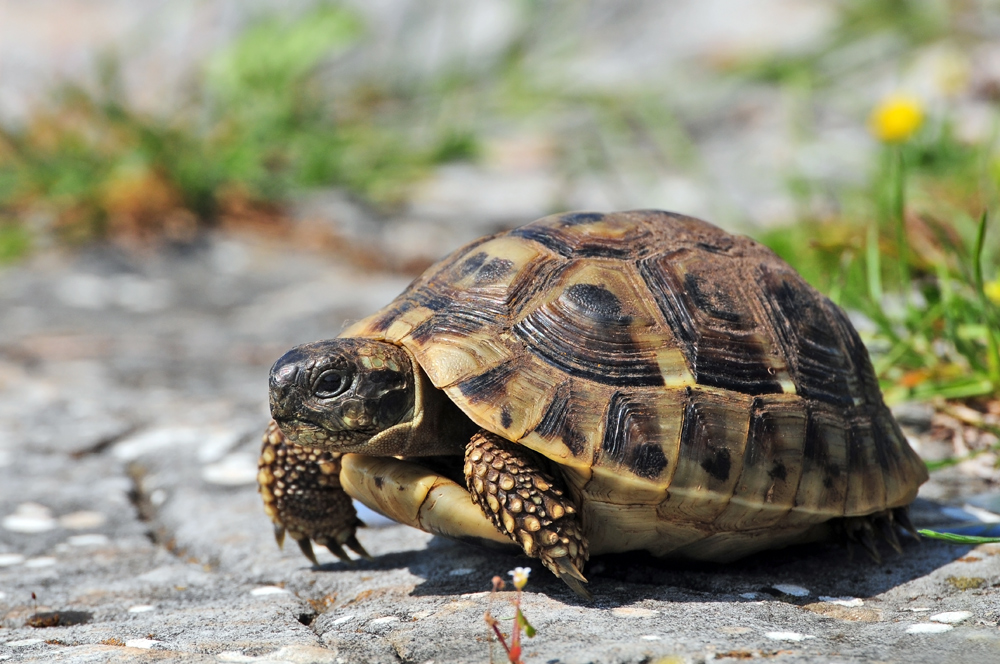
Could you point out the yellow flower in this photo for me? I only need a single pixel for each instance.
(896, 118)
(520, 576)
(992, 290)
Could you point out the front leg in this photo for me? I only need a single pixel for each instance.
(303, 496)
(531, 506)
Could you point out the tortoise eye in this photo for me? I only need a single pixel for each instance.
(331, 384)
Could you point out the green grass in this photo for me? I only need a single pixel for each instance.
(15, 242)
(952, 538)
(909, 255)
(259, 127)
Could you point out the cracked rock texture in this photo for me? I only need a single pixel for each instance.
(132, 398)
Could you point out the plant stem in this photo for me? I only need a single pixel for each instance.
(992, 343)
(873, 265)
(898, 175)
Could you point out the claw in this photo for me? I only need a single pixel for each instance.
(354, 545)
(307, 549)
(865, 538)
(888, 533)
(572, 577)
(335, 549)
(902, 517)
(279, 536)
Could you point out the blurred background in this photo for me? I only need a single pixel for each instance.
(189, 188)
(199, 183)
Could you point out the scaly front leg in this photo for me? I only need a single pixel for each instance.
(303, 496)
(531, 506)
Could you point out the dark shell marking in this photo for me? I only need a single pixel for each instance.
(657, 355)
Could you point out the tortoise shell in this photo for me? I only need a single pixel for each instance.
(699, 397)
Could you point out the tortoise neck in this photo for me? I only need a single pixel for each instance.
(437, 426)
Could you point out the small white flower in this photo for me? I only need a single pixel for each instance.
(520, 576)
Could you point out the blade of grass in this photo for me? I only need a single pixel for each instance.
(873, 267)
(952, 538)
(838, 284)
(963, 388)
(992, 343)
(899, 219)
(947, 300)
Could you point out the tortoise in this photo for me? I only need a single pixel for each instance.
(637, 380)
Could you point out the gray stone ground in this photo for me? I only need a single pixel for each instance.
(132, 396)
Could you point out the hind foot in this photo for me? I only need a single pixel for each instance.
(864, 530)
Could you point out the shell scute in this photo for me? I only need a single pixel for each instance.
(589, 235)
(820, 365)
(825, 454)
(642, 432)
(710, 459)
(772, 464)
(511, 398)
(725, 340)
(865, 485)
(594, 323)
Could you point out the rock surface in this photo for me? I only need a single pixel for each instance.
(132, 397)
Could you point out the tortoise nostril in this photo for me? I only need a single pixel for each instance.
(284, 376)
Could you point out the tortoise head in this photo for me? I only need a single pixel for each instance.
(338, 394)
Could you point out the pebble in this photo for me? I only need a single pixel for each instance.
(231, 470)
(233, 656)
(3, 595)
(24, 643)
(10, 559)
(41, 561)
(735, 630)
(268, 590)
(959, 514)
(151, 440)
(633, 612)
(93, 539)
(788, 636)
(928, 628)
(342, 620)
(985, 516)
(82, 520)
(141, 295)
(919, 609)
(84, 291)
(790, 589)
(145, 644)
(850, 602)
(383, 621)
(650, 637)
(141, 608)
(30, 518)
(951, 617)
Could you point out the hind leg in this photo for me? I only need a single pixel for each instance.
(302, 494)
